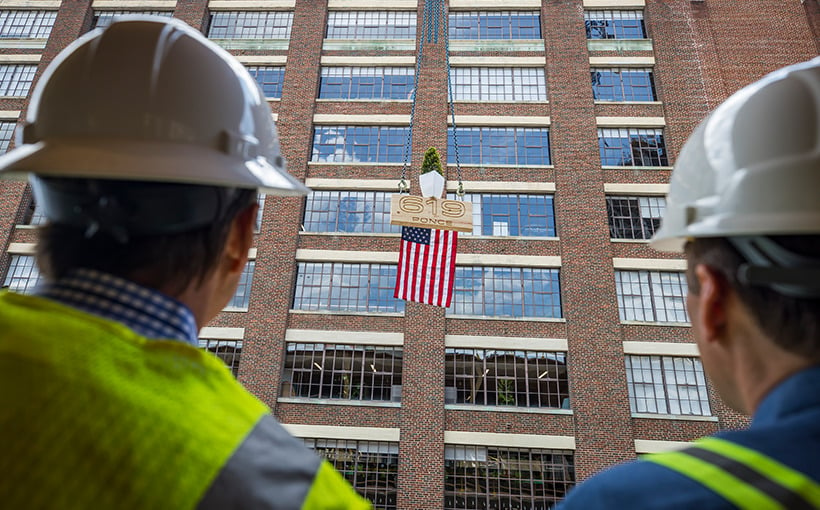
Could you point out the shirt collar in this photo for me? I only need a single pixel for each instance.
(148, 312)
(795, 394)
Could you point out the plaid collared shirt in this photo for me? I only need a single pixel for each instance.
(146, 311)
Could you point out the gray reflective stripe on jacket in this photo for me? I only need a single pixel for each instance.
(270, 469)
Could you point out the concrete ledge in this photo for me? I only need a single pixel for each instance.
(627, 122)
(22, 248)
(344, 337)
(649, 264)
(661, 349)
(256, 5)
(652, 446)
(498, 61)
(393, 60)
(211, 333)
(362, 120)
(330, 432)
(636, 189)
(500, 120)
(511, 440)
(506, 342)
(369, 5)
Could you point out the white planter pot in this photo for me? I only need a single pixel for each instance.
(431, 184)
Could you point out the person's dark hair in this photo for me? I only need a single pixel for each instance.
(172, 261)
(792, 323)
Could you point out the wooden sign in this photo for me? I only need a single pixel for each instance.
(430, 212)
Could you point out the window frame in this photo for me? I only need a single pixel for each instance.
(271, 89)
(611, 24)
(16, 79)
(380, 280)
(361, 373)
(662, 374)
(40, 26)
(642, 219)
(253, 25)
(500, 146)
(645, 147)
(22, 275)
(350, 212)
(240, 302)
(372, 470)
(479, 84)
(219, 347)
(539, 379)
(623, 88)
(369, 144)
(488, 25)
(502, 282)
(109, 16)
(523, 220)
(371, 25)
(468, 468)
(386, 84)
(664, 297)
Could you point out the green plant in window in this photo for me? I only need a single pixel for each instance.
(505, 392)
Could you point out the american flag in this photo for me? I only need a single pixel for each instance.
(427, 266)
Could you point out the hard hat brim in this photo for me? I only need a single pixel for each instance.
(147, 161)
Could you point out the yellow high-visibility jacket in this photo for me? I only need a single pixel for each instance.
(92, 415)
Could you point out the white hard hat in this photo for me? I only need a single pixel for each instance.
(151, 99)
(752, 168)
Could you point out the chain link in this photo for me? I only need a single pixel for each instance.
(445, 15)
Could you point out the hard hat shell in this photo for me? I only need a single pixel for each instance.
(751, 168)
(151, 99)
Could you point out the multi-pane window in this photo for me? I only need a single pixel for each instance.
(104, 18)
(349, 211)
(6, 134)
(499, 84)
(242, 296)
(500, 146)
(338, 286)
(371, 467)
(250, 25)
(260, 200)
(615, 25)
(634, 217)
(269, 78)
(229, 351)
(506, 214)
(497, 377)
(366, 83)
(651, 296)
(505, 478)
(666, 385)
(354, 144)
(26, 24)
(506, 292)
(623, 84)
(341, 371)
(632, 147)
(371, 25)
(495, 25)
(15, 79)
(23, 275)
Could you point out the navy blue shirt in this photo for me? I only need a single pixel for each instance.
(786, 427)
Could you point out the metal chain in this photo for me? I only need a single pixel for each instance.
(404, 187)
(445, 15)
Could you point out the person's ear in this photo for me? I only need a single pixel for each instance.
(240, 238)
(712, 302)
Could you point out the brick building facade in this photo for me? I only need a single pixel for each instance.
(567, 348)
